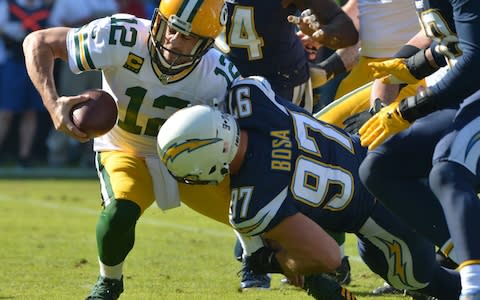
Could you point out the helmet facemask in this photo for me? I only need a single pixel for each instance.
(183, 61)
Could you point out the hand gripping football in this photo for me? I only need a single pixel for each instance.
(97, 115)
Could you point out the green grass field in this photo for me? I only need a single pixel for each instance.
(48, 250)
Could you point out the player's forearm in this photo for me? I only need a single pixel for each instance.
(339, 30)
(385, 92)
(303, 246)
(305, 262)
(351, 9)
(39, 61)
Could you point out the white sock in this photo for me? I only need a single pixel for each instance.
(112, 272)
(342, 250)
(470, 277)
(249, 244)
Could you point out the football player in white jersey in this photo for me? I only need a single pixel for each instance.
(152, 68)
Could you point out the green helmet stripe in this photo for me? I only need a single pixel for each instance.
(189, 9)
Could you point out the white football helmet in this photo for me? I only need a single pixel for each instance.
(198, 143)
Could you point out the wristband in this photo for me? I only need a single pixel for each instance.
(419, 66)
(416, 107)
(333, 65)
(406, 51)
(439, 58)
(263, 261)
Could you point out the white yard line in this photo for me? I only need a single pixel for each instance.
(145, 220)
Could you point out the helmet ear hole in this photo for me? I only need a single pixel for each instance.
(212, 170)
(224, 171)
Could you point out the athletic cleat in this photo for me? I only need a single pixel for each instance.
(324, 287)
(386, 289)
(419, 296)
(342, 275)
(254, 281)
(251, 280)
(106, 289)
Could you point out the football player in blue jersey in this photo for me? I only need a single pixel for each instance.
(263, 42)
(438, 134)
(292, 177)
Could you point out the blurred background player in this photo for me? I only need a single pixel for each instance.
(151, 68)
(262, 41)
(18, 95)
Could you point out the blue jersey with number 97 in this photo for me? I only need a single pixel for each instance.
(293, 163)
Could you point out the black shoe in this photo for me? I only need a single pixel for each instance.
(106, 289)
(386, 289)
(251, 280)
(342, 275)
(324, 287)
(419, 296)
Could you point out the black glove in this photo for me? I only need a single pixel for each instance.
(353, 123)
(322, 287)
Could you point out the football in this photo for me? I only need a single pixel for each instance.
(97, 115)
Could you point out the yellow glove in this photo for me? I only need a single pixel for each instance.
(387, 122)
(393, 71)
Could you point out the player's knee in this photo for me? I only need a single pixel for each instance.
(118, 217)
(440, 176)
(448, 176)
(370, 171)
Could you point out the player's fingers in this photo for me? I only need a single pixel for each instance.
(74, 100)
(309, 19)
(378, 73)
(366, 127)
(379, 140)
(319, 35)
(306, 13)
(369, 136)
(314, 26)
(366, 138)
(390, 79)
(375, 136)
(74, 132)
(294, 19)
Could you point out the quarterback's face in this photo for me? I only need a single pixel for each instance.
(177, 43)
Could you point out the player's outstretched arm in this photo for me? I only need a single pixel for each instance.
(326, 22)
(41, 48)
(304, 247)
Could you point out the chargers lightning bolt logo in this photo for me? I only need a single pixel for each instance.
(189, 145)
(471, 143)
(396, 252)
